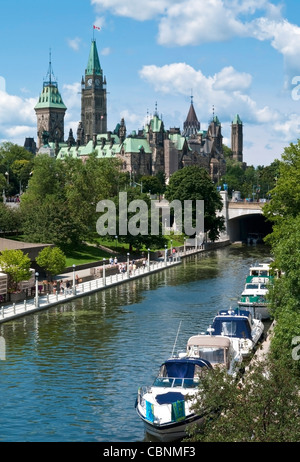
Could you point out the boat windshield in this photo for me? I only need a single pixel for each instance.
(232, 328)
(251, 286)
(180, 374)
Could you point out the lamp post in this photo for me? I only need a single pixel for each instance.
(116, 238)
(184, 244)
(36, 290)
(128, 265)
(165, 255)
(171, 250)
(148, 259)
(103, 274)
(74, 287)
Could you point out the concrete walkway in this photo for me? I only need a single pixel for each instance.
(91, 284)
(81, 289)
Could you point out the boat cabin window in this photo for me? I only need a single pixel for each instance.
(229, 328)
(263, 273)
(234, 329)
(251, 286)
(213, 355)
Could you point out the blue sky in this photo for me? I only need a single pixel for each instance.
(238, 56)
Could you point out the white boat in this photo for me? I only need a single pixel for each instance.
(165, 407)
(260, 269)
(216, 349)
(240, 327)
(254, 297)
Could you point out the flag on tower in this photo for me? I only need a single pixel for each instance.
(96, 27)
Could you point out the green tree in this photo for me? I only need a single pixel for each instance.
(283, 211)
(59, 206)
(285, 197)
(10, 219)
(262, 407)
(52, 259)
(194, 183)
(141, 219)
(152, 184)
(10, 157)
(16, 265)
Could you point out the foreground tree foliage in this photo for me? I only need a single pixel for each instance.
(17, 266)
(263, 407)
(52, 260)
(59, 206)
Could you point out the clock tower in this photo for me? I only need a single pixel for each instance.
(93, 98)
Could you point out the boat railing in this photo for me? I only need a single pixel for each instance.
(172, 382)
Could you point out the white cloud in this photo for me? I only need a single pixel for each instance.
(288, 128)
(229, 79)
(194, 22)
(2, 84)
(106, 51)
(16, 110)
(74, 43)
(283, 36)
(225, 89)
(140, 10)
(17, 118)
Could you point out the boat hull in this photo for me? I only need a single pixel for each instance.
(172, 431)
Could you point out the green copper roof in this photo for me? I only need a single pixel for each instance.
(178, 140)
(215, 119)
(50, 98)
(93, 66)
(136, 144)
(237, 120)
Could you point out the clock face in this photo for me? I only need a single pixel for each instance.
(97, 82)
(89, 82)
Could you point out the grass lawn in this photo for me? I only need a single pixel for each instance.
(85, 253)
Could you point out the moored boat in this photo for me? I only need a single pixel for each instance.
(254, 296)
(216, 349)
(240, 327)
(166, 407)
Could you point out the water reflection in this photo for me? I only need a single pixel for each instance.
(72, 372)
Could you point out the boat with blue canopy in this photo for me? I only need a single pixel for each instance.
(243, 330)
(166, 407)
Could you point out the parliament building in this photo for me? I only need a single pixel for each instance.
(147, 151)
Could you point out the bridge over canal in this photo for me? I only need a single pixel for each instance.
(242, 218)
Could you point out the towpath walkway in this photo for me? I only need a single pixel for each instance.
(80, 289)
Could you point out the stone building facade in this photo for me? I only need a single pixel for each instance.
(144, 152)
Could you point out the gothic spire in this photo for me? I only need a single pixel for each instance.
(93, 66)
(191, 125)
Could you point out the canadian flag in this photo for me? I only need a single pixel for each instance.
(96, 27)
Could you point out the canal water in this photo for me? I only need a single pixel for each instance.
(72, 372)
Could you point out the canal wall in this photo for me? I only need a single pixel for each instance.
(93, 279)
